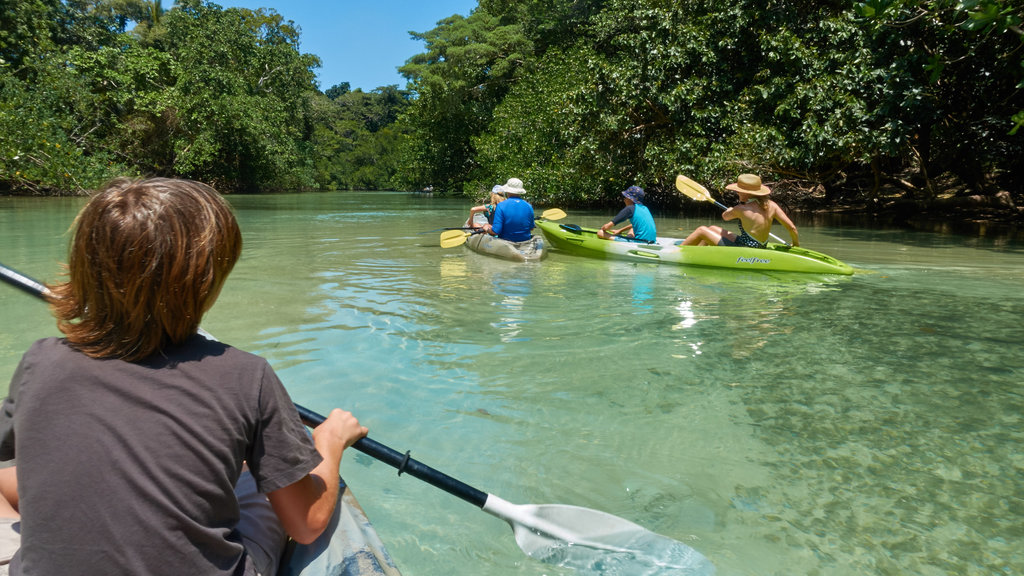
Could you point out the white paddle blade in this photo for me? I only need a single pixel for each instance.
(594, 542)
(693, 189)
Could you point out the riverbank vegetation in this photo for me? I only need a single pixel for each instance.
(885, 103)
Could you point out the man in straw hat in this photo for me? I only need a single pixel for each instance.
(756, 213)
(513, 218)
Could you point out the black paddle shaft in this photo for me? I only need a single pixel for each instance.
(403, 463)
(367, 446)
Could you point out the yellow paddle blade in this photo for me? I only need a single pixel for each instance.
(453, 238)
(693, 189)
(553, 214)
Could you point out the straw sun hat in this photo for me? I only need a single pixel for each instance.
(749, 184)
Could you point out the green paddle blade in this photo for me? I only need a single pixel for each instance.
(693, 189)
(595, 542)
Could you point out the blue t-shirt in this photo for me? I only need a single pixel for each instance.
(513, 220)
(640, 217)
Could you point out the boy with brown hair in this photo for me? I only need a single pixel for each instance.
(132, 431)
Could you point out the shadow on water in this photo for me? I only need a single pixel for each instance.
(994, 235)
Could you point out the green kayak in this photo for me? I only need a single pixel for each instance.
(776, 257)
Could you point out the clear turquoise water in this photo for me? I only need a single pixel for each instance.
(779, 424)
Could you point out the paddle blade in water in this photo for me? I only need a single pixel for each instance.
(594, 542)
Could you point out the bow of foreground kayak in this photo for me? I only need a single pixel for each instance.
(776, 257)
(348, 547)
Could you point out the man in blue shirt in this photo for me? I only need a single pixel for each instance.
(513, 218)
(641, 227)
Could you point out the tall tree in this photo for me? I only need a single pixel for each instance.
(959, 101)
(240, 98)
(49, 129)
(469, 66)
(356, 138)
(708, 88)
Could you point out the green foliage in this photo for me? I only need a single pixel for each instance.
(467, 70)
(201, 92)
(42, 148)
(663, 88)
(356, 139)
(543, 134)
(547, 23)
(958, 104)
(239, 98)
(49, 126)
(618, 92)
(26, 30)
(579, 98)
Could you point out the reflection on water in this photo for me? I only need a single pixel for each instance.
(513, 291)
(777, 424)
(643, 290)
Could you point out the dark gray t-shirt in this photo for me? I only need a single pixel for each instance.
(129, 468)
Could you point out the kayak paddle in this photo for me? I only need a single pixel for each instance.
(577, 229)
(458, 236)
(572, 536)
(694, 190)
(453, 238)
(580, 538)
(552, 214)
(22, 282)
(449, 228)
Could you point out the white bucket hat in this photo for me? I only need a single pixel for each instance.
(514, 186)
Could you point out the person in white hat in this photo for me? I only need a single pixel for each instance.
(756, 213)
(513, 218)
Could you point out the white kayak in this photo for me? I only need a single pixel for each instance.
(530, 250)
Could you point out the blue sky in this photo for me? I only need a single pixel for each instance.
(362, 42)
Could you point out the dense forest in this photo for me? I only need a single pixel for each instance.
(831, 101)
